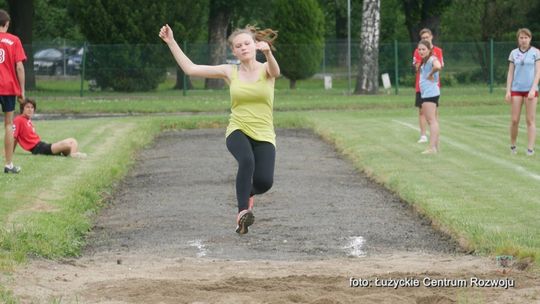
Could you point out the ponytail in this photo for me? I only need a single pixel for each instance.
(267, 35)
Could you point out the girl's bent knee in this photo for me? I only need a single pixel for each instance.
(262, 185)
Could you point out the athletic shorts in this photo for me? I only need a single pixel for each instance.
(8, 103)
(42, 148)
(523, 94)
(418, 100)
(434, 99)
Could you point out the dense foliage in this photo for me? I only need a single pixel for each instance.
(301, 38)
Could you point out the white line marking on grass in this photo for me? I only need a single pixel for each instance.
(200, 246)
(491, 158)
(354, 247)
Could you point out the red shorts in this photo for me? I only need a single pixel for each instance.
(523, 94)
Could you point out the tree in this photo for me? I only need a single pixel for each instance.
(22, 16)
(189, 24)
(301, 38)
(421, 14)
(336, 24)
(479, 21)
(218, 21)
(52, 22)
(368, 69)
(125, 54)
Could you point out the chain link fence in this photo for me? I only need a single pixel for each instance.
(483, 63)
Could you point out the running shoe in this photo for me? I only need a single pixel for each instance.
(244, 219)
(423, 139)
(513, 150)
(530, 152)
(14, 169)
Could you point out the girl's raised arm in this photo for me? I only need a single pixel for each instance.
(206, 71)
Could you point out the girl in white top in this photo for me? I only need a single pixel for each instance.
(430, 92)
(522, 87)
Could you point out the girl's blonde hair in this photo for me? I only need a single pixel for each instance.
(267, 35)
(524, 31)
(429, 47)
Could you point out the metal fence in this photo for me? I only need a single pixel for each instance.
(465, 63)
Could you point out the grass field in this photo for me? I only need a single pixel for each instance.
(474, 189)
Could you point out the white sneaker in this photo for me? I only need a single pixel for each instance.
(423, 139)
(530, 152)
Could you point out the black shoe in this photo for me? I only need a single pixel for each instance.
(14, 169)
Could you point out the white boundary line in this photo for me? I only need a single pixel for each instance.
(466, 148)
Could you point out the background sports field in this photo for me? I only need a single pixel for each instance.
(474, 189)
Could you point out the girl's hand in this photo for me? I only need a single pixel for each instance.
(166, 34)
(532, 94)
(263, 47)
(508, 98)
(430, 77)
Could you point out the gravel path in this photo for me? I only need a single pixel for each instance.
(179, 201)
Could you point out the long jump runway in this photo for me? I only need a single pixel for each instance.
(180, 201)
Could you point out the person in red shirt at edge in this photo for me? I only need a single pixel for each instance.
(425, 34)
(11, 84)
(25, 135)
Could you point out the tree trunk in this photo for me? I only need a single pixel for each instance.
(292, 84)
(421, 14)
(180, 81)
(368, 69)
(217, 39)
(22, 16)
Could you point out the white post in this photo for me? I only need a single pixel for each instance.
(386, 82)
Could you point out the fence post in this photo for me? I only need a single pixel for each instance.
(396, 65)
(491, 66)
(83, 67)
(184, 77)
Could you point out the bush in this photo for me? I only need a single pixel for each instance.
(136, 61)
(127, 68)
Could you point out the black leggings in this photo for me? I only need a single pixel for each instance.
(256, 161)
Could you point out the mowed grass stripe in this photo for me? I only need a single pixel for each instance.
(475, 150)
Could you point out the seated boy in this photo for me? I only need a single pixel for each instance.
(26, 136)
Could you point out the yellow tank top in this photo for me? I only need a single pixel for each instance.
(252, 107)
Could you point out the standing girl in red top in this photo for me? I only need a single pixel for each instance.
(11, 84)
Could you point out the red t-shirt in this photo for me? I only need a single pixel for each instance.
(11, 52)
(25, 133)
(437, 52)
